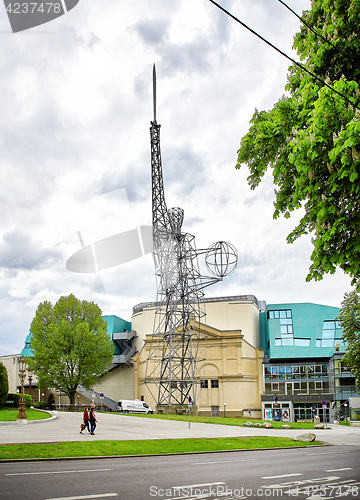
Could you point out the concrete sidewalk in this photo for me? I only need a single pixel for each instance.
(66, 427)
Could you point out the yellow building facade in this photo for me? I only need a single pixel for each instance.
(230, 374)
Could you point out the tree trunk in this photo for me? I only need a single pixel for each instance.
(72, 400)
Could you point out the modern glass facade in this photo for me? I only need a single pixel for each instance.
(296, 378)
(302, 366)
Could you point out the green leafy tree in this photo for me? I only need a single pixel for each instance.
(70, 344)
(311, 139)
(4, 385)
(349, 318)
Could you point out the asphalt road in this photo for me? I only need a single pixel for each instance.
(66, 427)
(305, 473)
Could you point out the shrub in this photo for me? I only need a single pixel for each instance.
(4, 385)
(28, 400)
(12, 400)
(41, 405)
(51, 401)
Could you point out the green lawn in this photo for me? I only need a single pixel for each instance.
(10, 414)
(145, 447)
(225, 420)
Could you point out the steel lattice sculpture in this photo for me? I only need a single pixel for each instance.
(174, 350)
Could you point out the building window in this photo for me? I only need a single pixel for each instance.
(302, 342)
(287, 341)
(203, 384)
(331, 335)
(214, 384)
(281, 314)
(287, 330)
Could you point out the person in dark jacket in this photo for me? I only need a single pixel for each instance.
(92, 419)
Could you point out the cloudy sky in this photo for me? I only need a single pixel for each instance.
(76, 105)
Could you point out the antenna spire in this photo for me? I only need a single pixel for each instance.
(154, 92)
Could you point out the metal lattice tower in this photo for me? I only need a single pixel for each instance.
(175, 343)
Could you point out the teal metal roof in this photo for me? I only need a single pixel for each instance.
(299, 330)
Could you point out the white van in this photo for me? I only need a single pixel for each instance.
(136, 406)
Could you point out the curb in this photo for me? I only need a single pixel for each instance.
(27, 422)
(7, 460)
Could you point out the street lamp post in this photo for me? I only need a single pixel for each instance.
(30, 380)
(22, 374)
(78, 403)
(224, 410)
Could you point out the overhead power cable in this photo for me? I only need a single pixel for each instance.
(285, 55)
(302, 20)
(308, 26)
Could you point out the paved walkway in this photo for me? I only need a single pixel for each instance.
(66, 427)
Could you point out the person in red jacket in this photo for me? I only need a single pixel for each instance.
(86, 421)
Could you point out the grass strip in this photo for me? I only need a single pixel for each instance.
(223, 420)
(10, 414)
(145, 447)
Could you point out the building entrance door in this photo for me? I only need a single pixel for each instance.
(214, 411)
(307, 411)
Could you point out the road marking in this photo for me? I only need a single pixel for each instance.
(301, 482)
(86, 497)
(349, 483)
(192, 486)
(318, 497)
(178, 489)
(55, 472)
(329, 453)
(225, 461)
(282, 475)
(335, 470)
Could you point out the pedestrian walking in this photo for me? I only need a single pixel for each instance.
(92, 419)
(86, 421)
